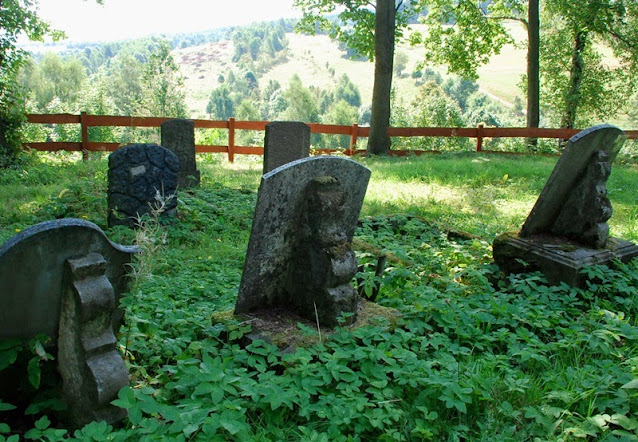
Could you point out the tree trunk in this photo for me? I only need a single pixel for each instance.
(378, 140)
(533, 68)
(575, 79)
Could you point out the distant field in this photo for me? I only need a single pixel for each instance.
(311, 57)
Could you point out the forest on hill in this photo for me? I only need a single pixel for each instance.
(250, 73)
(271, 71)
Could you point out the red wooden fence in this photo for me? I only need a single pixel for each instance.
(354, 132)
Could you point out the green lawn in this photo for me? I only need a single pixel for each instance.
(476, 355)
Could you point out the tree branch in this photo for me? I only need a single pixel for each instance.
(505, 17)
(621, 38)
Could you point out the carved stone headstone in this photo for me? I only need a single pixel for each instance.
(567, 228)
(64, 279)
(299, 255)
(285, 141)
(141, 176)
(178, 136)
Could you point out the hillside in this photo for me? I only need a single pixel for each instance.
(312, 57)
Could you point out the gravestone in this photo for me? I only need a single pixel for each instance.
(567, 228)
(64, 279)
(285, 141)
(178, 136)
(300, 254)
(142, 177)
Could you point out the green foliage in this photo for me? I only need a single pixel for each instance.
(261, 46)
(580, 84)
(354, 25)
(220, 105)
(162, 85)
(474, 34)
(348, 91)
(17, 18)
(475, 353)
(301, 103)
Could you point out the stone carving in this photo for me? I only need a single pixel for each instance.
(141, 176)
(92, 370)
(65, 278)
(178, 136)
(285, 141)
(299, 255)
(567, 228)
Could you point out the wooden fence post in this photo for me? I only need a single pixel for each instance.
(231, 139)
(85, 136)
(479, 137)
(353, 139)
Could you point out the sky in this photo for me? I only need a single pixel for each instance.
(85, 20)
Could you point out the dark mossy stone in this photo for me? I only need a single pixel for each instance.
(559, 259)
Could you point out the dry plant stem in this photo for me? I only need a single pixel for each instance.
(317, 317)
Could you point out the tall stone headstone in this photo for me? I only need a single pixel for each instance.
(64, 279)
(142, 177)
(567, 228)
(285, 141)
(299, 254)
(178, 136)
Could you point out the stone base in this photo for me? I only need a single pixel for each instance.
(281, 328)
(559, 259)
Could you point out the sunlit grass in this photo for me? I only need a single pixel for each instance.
(481, 194)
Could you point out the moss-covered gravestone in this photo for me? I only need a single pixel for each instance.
(567, 228)
(64, 279)
(300, 256)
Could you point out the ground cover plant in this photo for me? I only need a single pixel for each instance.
(476, 355)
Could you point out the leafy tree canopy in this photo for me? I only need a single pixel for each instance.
(351, 21)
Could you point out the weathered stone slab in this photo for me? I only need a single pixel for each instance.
(299, 254)
(178, 136)
(558, 259)
(138, 175)
(570, 169)
(567, 228)
(285, 141)
(32, 268)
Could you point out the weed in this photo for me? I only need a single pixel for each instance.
(475, 355)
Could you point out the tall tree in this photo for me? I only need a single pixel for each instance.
(533, 66)
(301, 104)
(577, 80)
(464, 34)
(162, 85)
(17, 18)
(371, 29)
(581, 81)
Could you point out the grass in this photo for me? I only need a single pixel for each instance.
(476, 355)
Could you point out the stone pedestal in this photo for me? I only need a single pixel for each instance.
(567, 227)
(561, 260)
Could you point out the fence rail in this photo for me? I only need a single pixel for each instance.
(354, 132)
